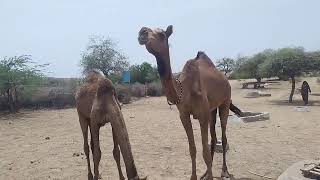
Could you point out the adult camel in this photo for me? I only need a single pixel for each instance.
(97, 105)
(200, 90)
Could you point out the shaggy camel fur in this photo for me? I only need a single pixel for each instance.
(200, 90)
(97, 105)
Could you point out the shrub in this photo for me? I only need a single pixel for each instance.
(58, 98)
(138, 90)
(124, 94)
(154, 89)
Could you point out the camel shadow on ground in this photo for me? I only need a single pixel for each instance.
(315, 94)
(231, 178)
(294, 103)
(11, 116)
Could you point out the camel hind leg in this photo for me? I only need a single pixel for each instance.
(213, 136)
(116, 154)
(96, 152)
(84, 127)
(204, 122)
(213, 131)
(223, 114)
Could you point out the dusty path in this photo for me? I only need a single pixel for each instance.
(159, 142)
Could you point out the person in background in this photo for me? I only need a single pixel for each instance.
(305, 89)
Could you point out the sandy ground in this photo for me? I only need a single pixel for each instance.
(159, 142)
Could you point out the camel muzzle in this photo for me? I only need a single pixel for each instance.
(143, 36)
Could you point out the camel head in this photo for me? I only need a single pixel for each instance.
(156, 41)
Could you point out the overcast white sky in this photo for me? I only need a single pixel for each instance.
(57, 31)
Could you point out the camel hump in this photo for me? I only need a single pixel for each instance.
(201, 54)
(93, 76)
(204, 58)
(104, 86)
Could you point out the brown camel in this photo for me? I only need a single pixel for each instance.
(200, 90)
(97, 105)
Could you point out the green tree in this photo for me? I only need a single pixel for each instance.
(17, 73)
(148, 73)
(103, 55)
(115, 77)
(226, 65)
(143, 73)
(135, 73)
(237, 73)
(240, 61)
(289, 62)
(249, 66)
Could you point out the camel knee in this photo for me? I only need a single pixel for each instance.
(213, 145)
(86, 149)
(193, 151)
(206, 153)
(116, 153)
(214, 139)
(224, 138)
(97, 153)
(213, 136)
(92, 146)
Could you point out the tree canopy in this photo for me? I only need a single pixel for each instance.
(16, 73)
(102, 54)
(143, 73)
(289, 62)
(283, 63)
(226, 65)
(249, 66)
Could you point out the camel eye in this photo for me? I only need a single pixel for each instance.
(162, 35)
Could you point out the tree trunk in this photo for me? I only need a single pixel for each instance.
(11, 102)
(293, 86)
(16, 101)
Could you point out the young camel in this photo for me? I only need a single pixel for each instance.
(97, 105)
(200, 90)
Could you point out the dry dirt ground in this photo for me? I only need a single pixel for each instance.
(159, 142)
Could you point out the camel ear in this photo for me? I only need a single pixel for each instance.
(169, 31)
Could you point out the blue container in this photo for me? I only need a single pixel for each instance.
(126, 77)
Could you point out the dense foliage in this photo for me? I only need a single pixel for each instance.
(226, 65)
(283, 63)
(143, 73)
(102, 54)
(17, 73)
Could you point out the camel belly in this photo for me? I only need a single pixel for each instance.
(104, 121)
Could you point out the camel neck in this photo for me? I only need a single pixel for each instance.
(166, 76)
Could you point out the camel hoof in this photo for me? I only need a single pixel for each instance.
(97, 177)
(144, 178)
(138, 178)
(90, 177)
(225, 174)
(193, 177)
(206, 176)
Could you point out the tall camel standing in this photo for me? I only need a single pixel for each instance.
(97, 105)
(200, 90)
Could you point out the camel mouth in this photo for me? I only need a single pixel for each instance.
(143, 36)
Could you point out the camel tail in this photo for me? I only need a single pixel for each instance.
(235, 110)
